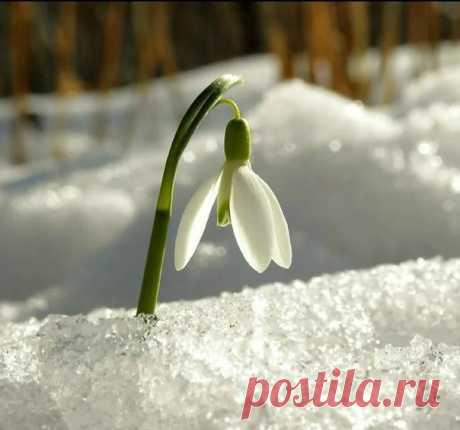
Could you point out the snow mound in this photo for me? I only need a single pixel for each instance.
(350, 180)
(321, 115)
(66, 221)
(440, 86)
(437, 125)
(108, 370)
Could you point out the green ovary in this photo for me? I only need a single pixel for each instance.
(237, 153)
(238, 140)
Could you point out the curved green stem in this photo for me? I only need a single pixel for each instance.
(209, 98)
(233, 105)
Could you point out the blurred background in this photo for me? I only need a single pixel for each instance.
(355, 110)
(69, 48)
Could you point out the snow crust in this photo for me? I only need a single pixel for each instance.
(108, 370)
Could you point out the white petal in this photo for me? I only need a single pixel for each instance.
(250, 214)
(282, 252)
(193, 222)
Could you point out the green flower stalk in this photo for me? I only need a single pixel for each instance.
(205, 102)
(243, 199)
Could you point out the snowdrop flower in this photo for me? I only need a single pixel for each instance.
(243, 200)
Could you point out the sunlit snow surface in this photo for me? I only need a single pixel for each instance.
(108, 370)
(359, 188)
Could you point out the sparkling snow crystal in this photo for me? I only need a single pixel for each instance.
(190, 370)
(363, 188)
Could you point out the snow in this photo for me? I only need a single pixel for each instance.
(351, 180)
(360, 187)
(433, 87)
(310, 114)
(108, 370)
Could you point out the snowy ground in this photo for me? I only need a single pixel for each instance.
(360, 187)
(110, 371)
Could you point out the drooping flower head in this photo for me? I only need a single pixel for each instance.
(244, 201)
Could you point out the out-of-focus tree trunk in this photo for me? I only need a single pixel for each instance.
(153, 39)
(455, 16)
(155, 52)
(20, 19)
(423, 31)
(391, 21)
(277, 39)
(325, 47)
(112, 44)
(358, 14)
(161, 37)
(67, 81)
